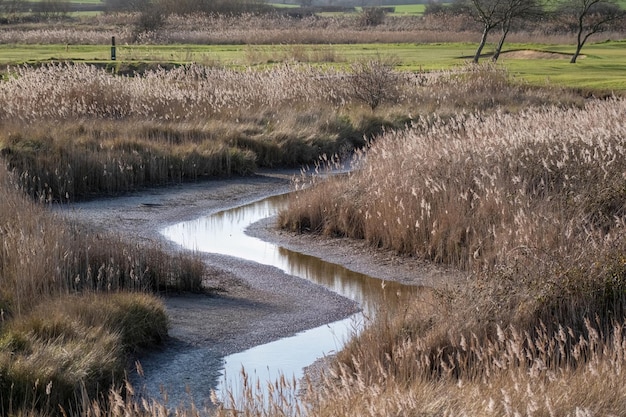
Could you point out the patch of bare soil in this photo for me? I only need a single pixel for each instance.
(531, 54)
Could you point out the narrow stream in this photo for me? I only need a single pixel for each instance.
(224, 233)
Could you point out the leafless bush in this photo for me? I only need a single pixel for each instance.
(375, 81)
(372, 16)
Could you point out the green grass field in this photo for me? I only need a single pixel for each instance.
(409, 9)
(400, 9)
(602, 65)
(284, 6)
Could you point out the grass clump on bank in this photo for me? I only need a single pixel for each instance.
(75, 345)
(74, 305)
(532, 207)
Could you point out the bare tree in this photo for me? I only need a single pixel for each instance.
(516, 10)
(490, 14)
(500, 13)
(588, 18)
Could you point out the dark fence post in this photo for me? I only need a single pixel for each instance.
(112, 48)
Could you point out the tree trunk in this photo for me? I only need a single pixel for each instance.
(481, 45)
(580, 41)
(575, 56)
(496, 54)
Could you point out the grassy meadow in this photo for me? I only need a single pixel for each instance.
(512, 173)
(601, 67)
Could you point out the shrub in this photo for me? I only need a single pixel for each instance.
(372, 16)
(375, 82)
(151, 19)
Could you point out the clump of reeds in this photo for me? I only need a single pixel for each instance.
(194, 122)
(74, 304)
(43, 256)
(255, 397)
(192, 92)
(73, 343)
(475, 190)
(531, 206)
(550, 373)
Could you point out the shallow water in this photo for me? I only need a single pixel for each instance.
(224, 233)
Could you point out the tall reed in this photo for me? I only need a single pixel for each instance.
(73, 131)
(74, 304)
(531, 207)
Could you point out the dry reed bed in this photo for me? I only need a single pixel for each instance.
(67, 91)
(474, 190)
(254, 29)
(42, 256)
(195, 93)
(75, 130)
(74, 304)
(208, 123)
(532, 205)
(525, 377)
(60, 260)
(347, 29)
(511, 340)
(241, 29)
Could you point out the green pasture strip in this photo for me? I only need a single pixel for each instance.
(18, 54)
(83, 14)
(409, 56)
(284, 6)
(602, 66)
(409, 9)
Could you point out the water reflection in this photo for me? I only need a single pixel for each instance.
(289, 356)
(224, 233)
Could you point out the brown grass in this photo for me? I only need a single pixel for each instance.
(505, 194)
(254, 29)
(74, 305)
(531, 206)
(104, 134)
